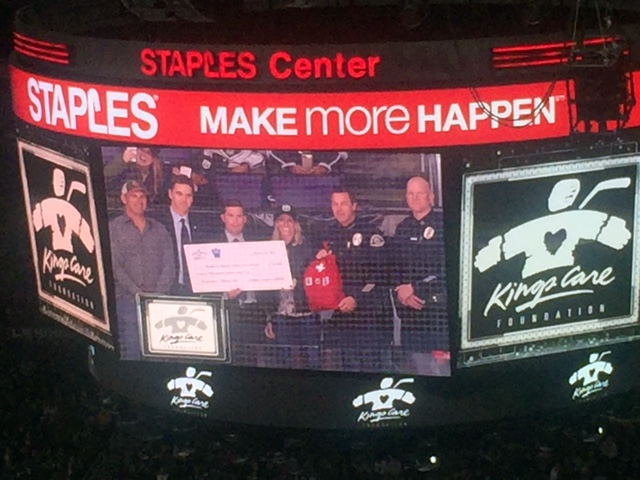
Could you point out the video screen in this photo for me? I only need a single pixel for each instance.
(322, 260)
(65, 244)
(549, 259)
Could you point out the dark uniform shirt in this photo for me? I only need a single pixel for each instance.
(418, 248)
(360, 250)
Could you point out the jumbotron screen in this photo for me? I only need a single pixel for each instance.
(548, 258)
(329, 260)
(392, 220)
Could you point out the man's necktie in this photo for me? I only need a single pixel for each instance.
(184, 240)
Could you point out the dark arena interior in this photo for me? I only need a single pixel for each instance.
(320, 239)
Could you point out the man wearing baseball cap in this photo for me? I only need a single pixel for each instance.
(142, 259)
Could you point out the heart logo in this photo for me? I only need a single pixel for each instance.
(189, 387)
(384, 398)
(181, 324)
(62, 223)
(591, 372)
(553, 241)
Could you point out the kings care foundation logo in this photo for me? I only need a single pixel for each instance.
(591, 378)
(389, 403)
(191, 392)
(64, 239)
(553, 257)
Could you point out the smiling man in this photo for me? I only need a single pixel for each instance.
(356, 329)
(418, 245)
(246, 313)
(234, 220)
(184, 228)
(358, 246)
(142, 260)
(420, 228)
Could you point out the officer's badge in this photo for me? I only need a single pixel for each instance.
(428, 233)
(356, 240)
(206, 164)
(376, 240)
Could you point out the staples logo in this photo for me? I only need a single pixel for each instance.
(106, 112)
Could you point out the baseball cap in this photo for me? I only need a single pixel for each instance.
(286, 210)
(132, 185)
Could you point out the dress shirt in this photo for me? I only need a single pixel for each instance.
(177, 229)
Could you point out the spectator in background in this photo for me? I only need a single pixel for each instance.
(223, 174)
(234, 161)
(141, 164)
(305, 162)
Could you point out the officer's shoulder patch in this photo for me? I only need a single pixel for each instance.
(376, 240)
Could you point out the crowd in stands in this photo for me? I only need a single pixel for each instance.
(57, 422)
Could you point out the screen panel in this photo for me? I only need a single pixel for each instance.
(65, 244)
(360, 233)
(548, 258)
(183, 328)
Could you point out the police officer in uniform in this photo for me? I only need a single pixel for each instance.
(418, 247)
(356, 328)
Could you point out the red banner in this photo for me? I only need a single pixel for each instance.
(351, 120)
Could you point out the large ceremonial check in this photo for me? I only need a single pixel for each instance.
(249, 266)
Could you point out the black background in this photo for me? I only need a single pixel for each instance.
(39, 174)
(502, 205)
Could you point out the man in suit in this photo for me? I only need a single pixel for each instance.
(247, 316)
(183, 228)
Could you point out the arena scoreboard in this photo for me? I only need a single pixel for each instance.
(334, 234)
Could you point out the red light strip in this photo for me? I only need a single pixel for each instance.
(498, 58)
(557, 45)
(43, 57)
(41, 50)
(26, 46)
(531, 48)
(42, 43)
(543, 54)
(533, 63)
